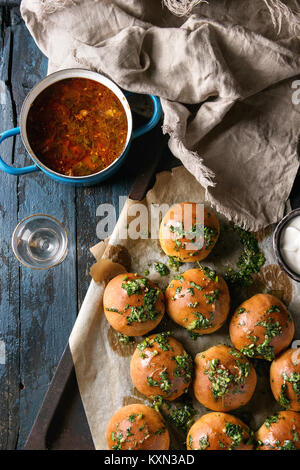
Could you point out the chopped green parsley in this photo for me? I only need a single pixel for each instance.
(147, 311)
(175, 262)
(114, 310)
(193, 284)
(201, 322)
(273, 308)
(294, 380)
(203, 442)
(124, 339)
(212, 296)
(241, 310)
(209, 273)
(182, 416)
(184, 367)
(263, 349)
(235, 432)
(221, 378)
(250, 261)
(270, 420)
(165, 384)
(161, 268)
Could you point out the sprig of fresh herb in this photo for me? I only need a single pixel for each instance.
(161, 268)
(249, 262)
(182, 416)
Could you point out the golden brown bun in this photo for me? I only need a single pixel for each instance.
(285, 379)
(247, 334)
(213, 431)
(162, 359)
(186, 303)
(117, 298)
(280, 432)
(174, 243)
(138, 427)
(217, 365)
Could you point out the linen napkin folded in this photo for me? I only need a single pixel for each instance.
(224, 76)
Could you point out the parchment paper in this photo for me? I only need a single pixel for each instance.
(102, 363)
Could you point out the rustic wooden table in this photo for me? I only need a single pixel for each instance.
(38, 308)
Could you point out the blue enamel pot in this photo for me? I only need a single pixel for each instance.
(76, 180)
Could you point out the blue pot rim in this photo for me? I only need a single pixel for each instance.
(79, 180)
(81, 73)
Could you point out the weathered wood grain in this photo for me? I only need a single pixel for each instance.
(10, 3)
(9, 279)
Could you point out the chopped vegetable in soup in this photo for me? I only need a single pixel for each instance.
(77, 127)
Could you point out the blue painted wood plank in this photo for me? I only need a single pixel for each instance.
(9, 279)
(88, 200)
(10, 3)
(48, 299)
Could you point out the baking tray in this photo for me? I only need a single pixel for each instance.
(61, 423)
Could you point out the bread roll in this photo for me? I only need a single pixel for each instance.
(219, 431)
(198, 300)
(280, 432)
(285, 379)
(224, 378)
(160, 366)
(183, 234)
(261, 327)
(133, 305)
(136, 427)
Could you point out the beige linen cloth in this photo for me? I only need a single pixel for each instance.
(224, 76)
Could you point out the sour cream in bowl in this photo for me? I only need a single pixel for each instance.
(286, 243)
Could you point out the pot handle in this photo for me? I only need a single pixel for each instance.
(157, 112)
(10, 169)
